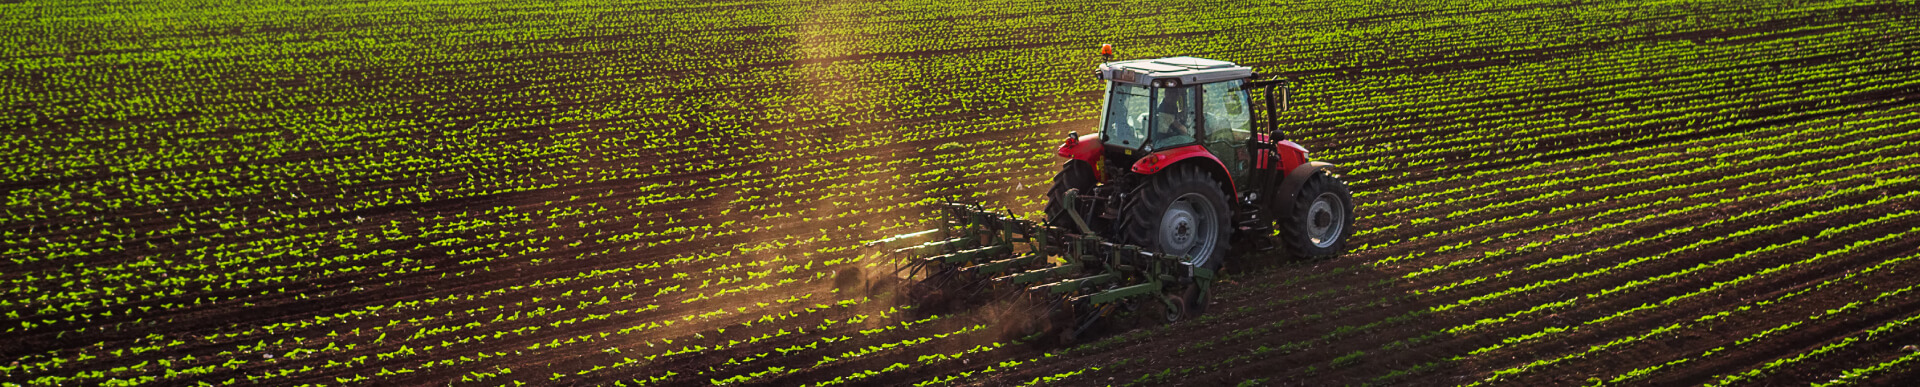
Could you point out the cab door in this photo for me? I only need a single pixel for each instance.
(1227, 118)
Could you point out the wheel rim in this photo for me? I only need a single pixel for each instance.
(1188, 228)
(1326, 219)
(1177, 307)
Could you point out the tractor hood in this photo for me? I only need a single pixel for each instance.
(1175, 71)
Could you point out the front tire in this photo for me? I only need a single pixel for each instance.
(1321, 221)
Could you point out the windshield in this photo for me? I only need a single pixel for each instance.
(1173, 115)
(1132, 111)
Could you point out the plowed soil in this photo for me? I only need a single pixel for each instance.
(393, 193)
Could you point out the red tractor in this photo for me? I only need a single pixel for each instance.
(1178, 168)
(1148, 208)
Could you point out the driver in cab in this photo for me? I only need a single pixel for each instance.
(1173, 118)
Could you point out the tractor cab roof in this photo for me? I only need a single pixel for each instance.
(1175, 71)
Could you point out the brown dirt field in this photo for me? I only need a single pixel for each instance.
(644, 195)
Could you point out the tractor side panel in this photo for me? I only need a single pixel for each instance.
(1291, 155)
(1162, 159)
(1283, 156)
(1085, 148)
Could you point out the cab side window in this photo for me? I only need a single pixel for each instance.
(1229, 117)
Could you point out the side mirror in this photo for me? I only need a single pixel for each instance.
(1285, 91)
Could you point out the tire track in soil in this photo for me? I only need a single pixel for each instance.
(1881, 348)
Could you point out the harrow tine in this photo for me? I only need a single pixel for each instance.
(1052, 301)
(1009, 296)
(1039, 310)
(911, 267)
(942, 277)
(1044, 308)
(984, 282)
(1084, 322)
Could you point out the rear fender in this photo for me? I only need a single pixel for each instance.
(1298, 177)
(1280, 155)
(1195, 154)
(1292, 155)
(1085, 148)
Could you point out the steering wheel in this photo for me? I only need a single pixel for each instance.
(1139, 124)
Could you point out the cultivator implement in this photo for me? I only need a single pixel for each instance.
(1076, 276)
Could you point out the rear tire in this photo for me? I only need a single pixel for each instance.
(1199, 226)
(1321, 221)
(1075, 174)
(1180, 211)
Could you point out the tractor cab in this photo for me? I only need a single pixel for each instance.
(1171, 102)
(1160, 111)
